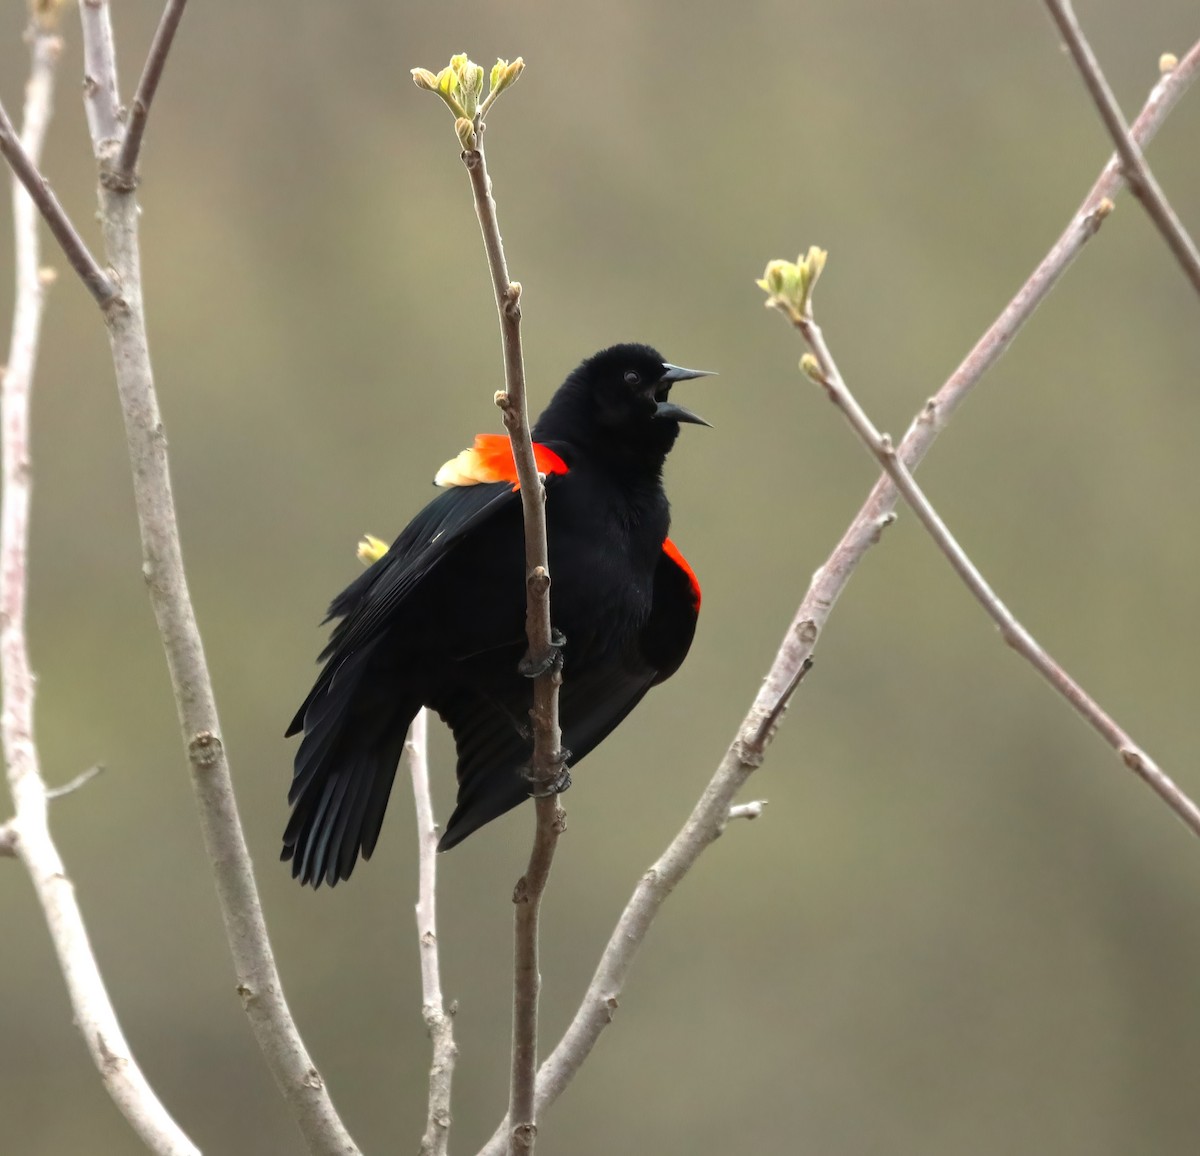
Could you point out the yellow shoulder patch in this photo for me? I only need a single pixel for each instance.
(483, 462)
(490, 459)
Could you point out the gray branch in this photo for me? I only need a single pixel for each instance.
(27, 835)
(1137, 171)
(547, 738)
(258, 983)
(438, 1020)
(1014, 633)
(25, 169)
(125, 169)
(77, 783)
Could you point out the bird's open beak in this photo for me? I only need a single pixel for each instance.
(678, 413)
(675, 373)
(668, 409)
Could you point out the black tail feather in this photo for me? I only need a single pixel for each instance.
(338, 815)
(343, 774)
(494, 746)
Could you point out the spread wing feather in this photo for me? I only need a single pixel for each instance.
(492, 734)
(368, 604)
(353, 737)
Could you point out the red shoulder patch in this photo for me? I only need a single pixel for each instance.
(672, 552)
(490, 459)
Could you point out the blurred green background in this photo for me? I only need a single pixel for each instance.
(961, 926)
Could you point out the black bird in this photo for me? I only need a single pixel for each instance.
(439, 619)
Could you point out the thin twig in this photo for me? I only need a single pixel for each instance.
(527, 978)
(101, 98)
(97, 282)
(27, 834)
(748, 748)
(1013, 632)
(438, 1020)
(547, 765)
(125, 168)
(752, 810)
(258, 982)
(1141, 180)
(80, 780)
(772, 719)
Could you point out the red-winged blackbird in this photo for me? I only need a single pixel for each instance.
(439, 620)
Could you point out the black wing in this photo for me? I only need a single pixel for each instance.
(492, 731)
(667, 635)
(357, 715)
(368, 604)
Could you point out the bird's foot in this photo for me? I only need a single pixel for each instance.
(533, 669)
(556, 786)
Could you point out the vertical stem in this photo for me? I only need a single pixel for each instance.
(258, 981)
(547, 738)
(29, 830)
(438, 1020)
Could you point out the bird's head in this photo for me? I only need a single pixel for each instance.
(620, 399)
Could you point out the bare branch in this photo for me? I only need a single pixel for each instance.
(1137, 172)
(527, 979)
(258, 981)
(27, 834)
(774, 716)
(547, 758)
(748, 748)
(880, 445)
(438, 1020)
(101, 98)
(877, 511)
(547, 768)
(80, 780)
(125, 168)
(97, 282)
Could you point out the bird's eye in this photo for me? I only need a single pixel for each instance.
(632, 377)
